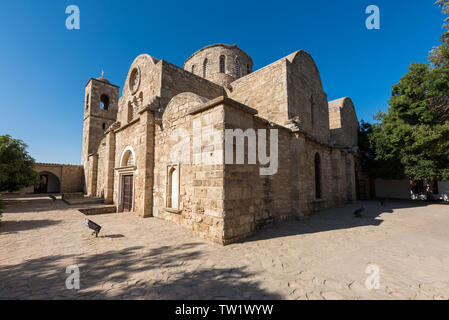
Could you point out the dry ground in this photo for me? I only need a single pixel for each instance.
(324, 257)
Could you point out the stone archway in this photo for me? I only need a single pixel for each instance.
(48, 183)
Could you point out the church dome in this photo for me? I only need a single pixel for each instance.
(220, 63)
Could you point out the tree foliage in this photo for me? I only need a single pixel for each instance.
(372, 164)
(16, 165)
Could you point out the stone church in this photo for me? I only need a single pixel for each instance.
(143, 151)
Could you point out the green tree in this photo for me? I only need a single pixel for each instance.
(373, 165)
(16, 165)
(415, 130)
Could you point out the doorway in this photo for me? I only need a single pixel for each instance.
(42, 185)
(48, 183)
(128, 193)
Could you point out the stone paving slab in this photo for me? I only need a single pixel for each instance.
(324, 257)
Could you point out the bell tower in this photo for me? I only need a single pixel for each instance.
(100, 111)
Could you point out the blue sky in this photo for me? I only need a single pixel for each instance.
(44, 66)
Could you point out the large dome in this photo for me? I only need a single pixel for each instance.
(220, 63)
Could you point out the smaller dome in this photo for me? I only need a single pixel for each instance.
(220, 63)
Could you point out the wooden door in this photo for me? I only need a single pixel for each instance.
(127, 193)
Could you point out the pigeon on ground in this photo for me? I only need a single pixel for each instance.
(358, 212)
(383, 201)
(52, 197)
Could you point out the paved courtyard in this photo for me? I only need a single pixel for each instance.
(324, 257)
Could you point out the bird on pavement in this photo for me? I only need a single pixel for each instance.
(358, 212)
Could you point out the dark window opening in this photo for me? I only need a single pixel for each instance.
(318, 194)
(104, 102)
(104, 126)
(222, 64)
(237, 67)
(205, 69)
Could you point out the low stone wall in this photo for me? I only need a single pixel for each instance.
(70, 177)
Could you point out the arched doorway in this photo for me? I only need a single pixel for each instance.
(126, 178)
(48, 183)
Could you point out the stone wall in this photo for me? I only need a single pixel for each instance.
(137, 136)
(343, 123)
(147, 89)
(251, 199)
(264, 90)
(70, 178)
(288, 89)
(307, 102)
(184, 140)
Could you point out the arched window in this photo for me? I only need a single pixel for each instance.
(130, 161)
(173, 188)
(205, 68)
(248, 69)
(237, 67)
(130, 112)
(222, 64)
(193, 69)
(318, 193)
(87, 101)
(104, 126)
(128, 158)
(104, 102)
(140, 101)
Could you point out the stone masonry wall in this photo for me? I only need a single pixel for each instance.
(264, 90)
(201, 182)
(307, 101)
(343, 123)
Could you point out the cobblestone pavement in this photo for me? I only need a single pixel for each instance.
(324, 257)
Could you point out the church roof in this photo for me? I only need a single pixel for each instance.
(103, 79)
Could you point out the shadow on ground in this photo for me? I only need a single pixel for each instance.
(33, 204)
(335, 219)
(120, 274)
(10, 226)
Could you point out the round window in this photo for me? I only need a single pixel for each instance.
(134, 80)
